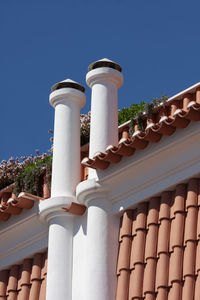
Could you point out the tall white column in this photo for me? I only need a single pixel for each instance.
(67, 102)
(102, 247)
(67, 98)
(59, 274)
(101, 242)
(104, 78)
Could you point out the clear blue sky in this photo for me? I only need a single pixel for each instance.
(156, 42)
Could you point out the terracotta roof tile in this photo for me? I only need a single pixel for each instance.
(191, 224)
(188, 288)
(197, 289)
(165, 247)
(24, 284)
(149, 277)
(177, 230)
(162, 271)
(163, 236)
(175, 265)
(4, 275)
(12, 282)
(178, 201)
(162, 294)
(189, 259)
(198, 258)
(175, 291)
(25, 281)
(123, 285)
(136, 282)
(12, 205)
(176, 113)
(138, 248)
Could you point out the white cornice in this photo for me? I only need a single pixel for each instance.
(150, 171)
(21, 236)
(167, 144)
(160, 167)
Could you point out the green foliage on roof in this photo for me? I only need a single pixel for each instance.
(28, 173)
(30, 177)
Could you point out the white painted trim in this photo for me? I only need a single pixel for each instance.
(150, 171)
(22, 236)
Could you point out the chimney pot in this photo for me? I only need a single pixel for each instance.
(68, 83)
(105, 62)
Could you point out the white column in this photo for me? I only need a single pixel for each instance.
(67, 98)
(104, 78)
(59, 275)
(102, 247)
(67, 102)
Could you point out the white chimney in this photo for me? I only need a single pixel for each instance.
(67, 98)
(104, 78)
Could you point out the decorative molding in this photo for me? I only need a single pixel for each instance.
(89, 190)
(54, 206)
(21, 236)
(153, 150)
(150, 171)
(160, 168)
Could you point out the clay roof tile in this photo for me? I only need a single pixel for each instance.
(153, 211)
(163, 236)
(136, 282)
(124, 254)
(189, 259)
(155, 270)
(175, 291)
(23, 282)
(197, 288)
(149, 277)
(123, 285)
(126, 228)
(177, 112)
(3, 282)
(13, 278)
(162, 271)
(177, 231)
(36, 269)
(165, 203)
(162, 294)
(178, 202)
(191, 224)
(188, 288)
(192, 192)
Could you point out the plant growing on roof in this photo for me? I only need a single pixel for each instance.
(30, 177)
(27, 174)
(138, 113)
(85, 128)
(8, 171)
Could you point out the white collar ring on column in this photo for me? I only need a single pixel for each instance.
(89, 190)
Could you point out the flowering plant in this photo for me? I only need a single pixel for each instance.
(27, 172)
(85, 127)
